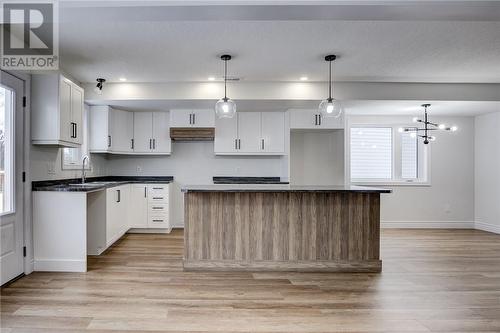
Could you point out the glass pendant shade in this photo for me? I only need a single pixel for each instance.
(225, 108)
(330, 108)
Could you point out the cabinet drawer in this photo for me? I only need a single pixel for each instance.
(158, 209)
(158, 222)
(158, 193)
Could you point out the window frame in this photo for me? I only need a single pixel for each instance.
(423, 158)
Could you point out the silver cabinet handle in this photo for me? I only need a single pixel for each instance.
(109, 140)
(262, 144)
(319, 117)
(194, 118)
(190, 119)
(235, 143)
(154, 143)
(119, 196)
(158, 188)
(157, 198)
(154, 220)
(239, 143)
(145, 192)
(131, 143)
(150, 143)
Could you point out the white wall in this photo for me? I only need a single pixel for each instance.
(193, 163)
(487, 172)
(449, 201)
(317, 157)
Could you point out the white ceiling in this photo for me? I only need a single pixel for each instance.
(151, 42)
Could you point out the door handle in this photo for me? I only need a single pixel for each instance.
(262, 144)
(235, 143)
(239, 143)
(145, 192)
(76, 130)
(119, 195)
(150, 143)
(109, 140)
(154, 143)
(316, 120)
(190, 119)
(319, 117)
(194, 118)
(131, 143)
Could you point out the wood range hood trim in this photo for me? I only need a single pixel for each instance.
(192, 133)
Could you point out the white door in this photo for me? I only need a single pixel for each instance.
(138, 207)
(249, 132)
(66, 125)
(203, 118)
(11, 169)
(143, 127)
(273, 132)
(77, 113)
(226, 135)
(161, 133)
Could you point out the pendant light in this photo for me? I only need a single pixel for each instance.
(225, 107)
(428, 127)
(330, 107)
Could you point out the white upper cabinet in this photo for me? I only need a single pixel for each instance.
(192, 118)
(309, 119)
(143, 129)
(251, 133)
(123, 132)
(273, 132)
(56, 111)
(162, 144)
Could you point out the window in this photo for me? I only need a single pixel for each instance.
(380, 154)
(371, 153)
(6, 150)
(72, 157)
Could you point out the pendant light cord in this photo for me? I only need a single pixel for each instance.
(330, 82)
(225, 80)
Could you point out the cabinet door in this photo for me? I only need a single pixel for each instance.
(77, 113)
(112, 215)
(181, 118)
(122, 131)
(138, 206)
(304, 119)
(273, 132)
(143, 128)
(100, 134)
(203, 118)
(161, 133)
(123, 205)
(65, 123)
(249, 132)
(226, 134)
(332, 123)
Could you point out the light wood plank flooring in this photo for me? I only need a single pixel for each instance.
(432, 281)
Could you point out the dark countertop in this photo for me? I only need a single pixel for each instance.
(248, 180)
(281, 188)
(96, 183)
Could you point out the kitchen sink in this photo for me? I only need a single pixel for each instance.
(91, 184)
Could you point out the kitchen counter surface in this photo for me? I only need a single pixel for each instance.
(280, 188)
(96, 183)
(247, 180)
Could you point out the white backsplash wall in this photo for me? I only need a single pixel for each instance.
(46, 164)
(193, 163)
(317, 158)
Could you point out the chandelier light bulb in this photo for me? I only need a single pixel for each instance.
(453, 128)
(415, 119)
(442, 126)
(401, 130)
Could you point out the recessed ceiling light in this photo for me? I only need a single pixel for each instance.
(211, 78)
(123, 79)
(304, 78)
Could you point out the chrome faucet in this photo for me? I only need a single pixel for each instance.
(85, 158)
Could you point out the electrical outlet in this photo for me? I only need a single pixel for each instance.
(51, 168)
(139, 169)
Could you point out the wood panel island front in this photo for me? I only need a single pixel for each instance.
(282, 228)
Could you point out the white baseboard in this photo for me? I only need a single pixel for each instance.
(427, 224)
(149, 231)
(60, 265)
(488, 227)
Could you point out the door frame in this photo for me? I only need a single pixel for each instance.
(27, 218)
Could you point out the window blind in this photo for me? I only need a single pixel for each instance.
(371, 153)
(409, 156)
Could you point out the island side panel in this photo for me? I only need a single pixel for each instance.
(321, 231)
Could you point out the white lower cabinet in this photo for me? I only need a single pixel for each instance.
(117, 219)
(149, 207)
(138, 209)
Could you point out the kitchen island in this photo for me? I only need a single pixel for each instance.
(282, 228)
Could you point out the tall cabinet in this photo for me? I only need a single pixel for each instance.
(56, 111)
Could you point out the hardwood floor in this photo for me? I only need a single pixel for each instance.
(432, 281)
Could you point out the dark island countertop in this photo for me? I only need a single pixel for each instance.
(96, 183)
(247, 180)
(281, 188)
